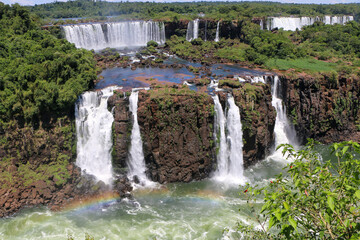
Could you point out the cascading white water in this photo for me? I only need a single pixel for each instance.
(115, 35)
(192, 30)
(93, 128)
(257, 79)
(217, 37)
(136, 161)
(293, 23)
(261, 24)
(284, 132)
(229, 143)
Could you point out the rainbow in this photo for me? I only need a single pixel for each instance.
(92, 202)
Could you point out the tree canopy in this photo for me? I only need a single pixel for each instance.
(215, 10)
(39, 73)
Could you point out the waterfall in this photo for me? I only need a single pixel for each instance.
(192, 30)
(217, 37)
(115, 35)
(284, 131)
(94, 128)
(261, 24)
(293, 23)
(136, 155)
(229, 143)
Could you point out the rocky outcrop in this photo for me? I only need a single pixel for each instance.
(37, 168)
(257, 118)
(176, 127)
(119, 102)
(175, 27)
(324, 107)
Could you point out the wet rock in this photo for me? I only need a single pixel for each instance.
(176, 136)
(136, 179)
(322, 107)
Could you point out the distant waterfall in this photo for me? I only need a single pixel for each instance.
(284, 131)
(293, 23)
(93, 128)
(115, 35)
(136, 155)
(192, 30)
(229, 143)
(261, 24)
(217, 36)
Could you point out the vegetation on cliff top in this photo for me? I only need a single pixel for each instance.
(39, 74)
(316, 48)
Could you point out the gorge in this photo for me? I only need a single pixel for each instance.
(167, 125)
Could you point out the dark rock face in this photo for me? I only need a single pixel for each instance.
(121, 129)
(325, 108)
(207, 29)
(257, 119)
(176, 126)
(178, 28)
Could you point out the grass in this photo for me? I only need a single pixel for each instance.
(301, 64)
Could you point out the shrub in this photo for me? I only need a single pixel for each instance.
(313, 200)
(152, 44)
(197, 41)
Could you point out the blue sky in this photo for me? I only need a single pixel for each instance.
(32, 2)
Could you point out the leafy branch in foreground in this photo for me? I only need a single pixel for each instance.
(313, 200)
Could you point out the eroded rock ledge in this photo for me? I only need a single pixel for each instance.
(325, 107)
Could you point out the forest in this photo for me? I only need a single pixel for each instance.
(177, 10)
(39, 74)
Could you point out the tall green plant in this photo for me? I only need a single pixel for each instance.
(313, 199)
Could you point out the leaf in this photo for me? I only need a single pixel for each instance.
(344, 150)
(347, 223)
(292, 222)
(286, 205)
(357, 194)
(271, 222)
(278, 216)
(330, 202)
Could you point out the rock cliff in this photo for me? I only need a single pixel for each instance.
(176, 126)
(324, 107)
(37, 168)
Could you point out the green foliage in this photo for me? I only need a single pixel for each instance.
(152, 43)
(301, 64)
(197, 41)
(38, 72)
(314, 199)
(233, 83)
(186, 10)
(55, 171)
(232, 53)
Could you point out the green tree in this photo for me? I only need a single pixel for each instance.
(314, 199)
